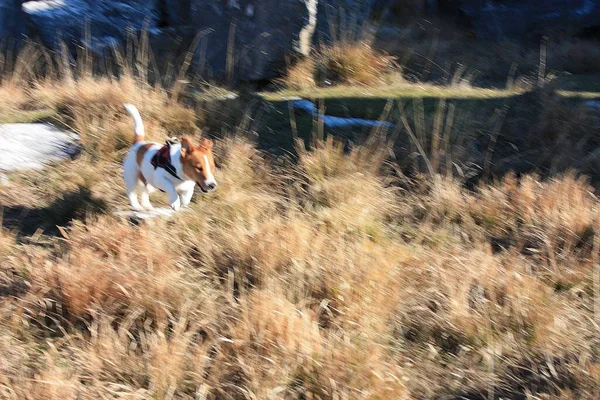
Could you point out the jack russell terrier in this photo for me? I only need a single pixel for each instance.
(172, 168)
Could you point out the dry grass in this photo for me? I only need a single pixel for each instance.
(343, 63)
(311, 280)
(301, 76)
(93, 106)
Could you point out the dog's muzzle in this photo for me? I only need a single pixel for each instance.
(207, 188)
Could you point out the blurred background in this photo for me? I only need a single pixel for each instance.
(485, 35)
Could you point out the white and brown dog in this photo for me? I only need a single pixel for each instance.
(172, 168)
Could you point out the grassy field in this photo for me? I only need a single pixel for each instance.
(377, 272)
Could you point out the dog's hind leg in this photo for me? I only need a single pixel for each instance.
(145, 199)
(132, 183)
(133, 200)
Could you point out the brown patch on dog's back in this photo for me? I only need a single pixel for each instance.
(142, 152)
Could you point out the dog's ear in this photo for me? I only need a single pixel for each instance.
(207, 144)
(186, 146)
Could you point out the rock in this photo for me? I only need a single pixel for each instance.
(344, 17)
(517, 19)
(175, 12)
(11, 19)
(246, 42)
(108, 20)
(32, 146)
(241, 38)
(501, 19)
(249, 40)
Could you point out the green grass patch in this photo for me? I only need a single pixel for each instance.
(578, 95)
(579, 86)
(579, 83)
(402, 91)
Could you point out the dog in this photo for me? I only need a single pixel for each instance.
(174, 168)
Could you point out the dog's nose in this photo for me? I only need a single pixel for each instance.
(211, 186)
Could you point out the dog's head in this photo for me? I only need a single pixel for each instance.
(198, 163)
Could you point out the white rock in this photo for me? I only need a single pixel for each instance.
(32, 146)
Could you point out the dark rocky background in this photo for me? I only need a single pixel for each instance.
(262, 33)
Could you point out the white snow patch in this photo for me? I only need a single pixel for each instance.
(339, 122)
(32, 146)
(41, 6)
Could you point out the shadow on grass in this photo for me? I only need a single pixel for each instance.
(278, 123)
(75, 205)
(542, 131)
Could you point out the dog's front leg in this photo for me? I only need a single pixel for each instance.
(174, 200)
(168, 187)
(186, 197)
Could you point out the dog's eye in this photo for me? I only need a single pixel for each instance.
(199, 169)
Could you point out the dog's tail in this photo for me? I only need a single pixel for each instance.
(137, 122)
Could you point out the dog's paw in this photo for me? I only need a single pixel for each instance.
(176, 205)
(148, 207)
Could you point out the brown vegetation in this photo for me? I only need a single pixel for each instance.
(354, 63)
(322, 278)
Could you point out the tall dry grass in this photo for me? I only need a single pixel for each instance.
(342, 288)
(87, 96)
(317, 279)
